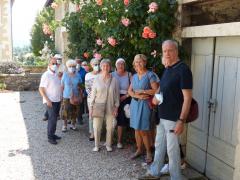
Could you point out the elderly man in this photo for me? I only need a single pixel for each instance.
(176, 87)
(50, 90)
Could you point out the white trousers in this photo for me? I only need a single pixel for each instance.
(97, 128)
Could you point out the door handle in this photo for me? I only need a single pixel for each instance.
(212, 105)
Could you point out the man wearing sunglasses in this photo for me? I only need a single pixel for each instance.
(50, 90)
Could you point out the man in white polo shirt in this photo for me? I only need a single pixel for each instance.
(50, 90)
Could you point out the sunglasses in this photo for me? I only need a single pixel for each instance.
(96, 64)
(54, 63)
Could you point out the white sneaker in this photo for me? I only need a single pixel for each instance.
(109, 149)
(95, 149)
(119, 145)
(165, 169)
(183, 166)
(73, 127)
(64, 128)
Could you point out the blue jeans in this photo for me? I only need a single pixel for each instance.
(53, 113)
(166, 141)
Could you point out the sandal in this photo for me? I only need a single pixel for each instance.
(149, 159)
(135, 155)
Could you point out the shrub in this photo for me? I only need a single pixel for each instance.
(10, 68)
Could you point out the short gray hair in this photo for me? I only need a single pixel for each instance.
(71, 62)
(105, 61)
(169, 41)
(94, 61)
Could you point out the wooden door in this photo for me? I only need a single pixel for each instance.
(202, 67)
(224, 112)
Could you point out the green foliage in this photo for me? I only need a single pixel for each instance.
(38, 38)
(2, 86)
(80, 36)
(105, 21)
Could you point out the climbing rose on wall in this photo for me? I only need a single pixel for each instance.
(99, 2)
(148, 33)
(126, 2)
(86, 55)
(54, 5)
(153, 7)
(46, 29)
(112, 41)
(126, 22)
(97, 56)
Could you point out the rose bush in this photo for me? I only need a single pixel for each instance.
(123, 28)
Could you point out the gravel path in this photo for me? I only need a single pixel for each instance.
(25, 153)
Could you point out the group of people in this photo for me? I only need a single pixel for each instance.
(122, 99)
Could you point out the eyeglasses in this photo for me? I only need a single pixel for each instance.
(96, 64)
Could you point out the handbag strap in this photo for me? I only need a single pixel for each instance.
(107, 94)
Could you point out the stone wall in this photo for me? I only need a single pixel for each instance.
(35, 69)
(21, 82)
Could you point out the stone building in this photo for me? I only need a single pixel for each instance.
(6, 30)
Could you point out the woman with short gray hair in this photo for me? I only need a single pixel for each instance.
(104, 103)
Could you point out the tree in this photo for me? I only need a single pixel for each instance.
(43, 30)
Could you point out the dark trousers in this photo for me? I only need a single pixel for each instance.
(53, 113)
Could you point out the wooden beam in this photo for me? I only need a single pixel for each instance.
(215, 30)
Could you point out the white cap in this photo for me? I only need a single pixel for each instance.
(57, 56)
(119, 60)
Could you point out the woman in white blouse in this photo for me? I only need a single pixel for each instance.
(105, 90)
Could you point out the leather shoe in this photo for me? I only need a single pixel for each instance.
(91, 139)
(52, 141)
(56, 137)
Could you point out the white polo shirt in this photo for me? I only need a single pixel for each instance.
(52, 85)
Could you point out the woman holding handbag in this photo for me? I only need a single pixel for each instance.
(72, 94)
(104, 103)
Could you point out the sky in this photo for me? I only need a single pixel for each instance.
(23, 17)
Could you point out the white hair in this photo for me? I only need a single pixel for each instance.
(71, 62)
(105, 61)
(120, 60)
(94, 61)
(169, 41)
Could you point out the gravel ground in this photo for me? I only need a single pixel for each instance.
(25, 153)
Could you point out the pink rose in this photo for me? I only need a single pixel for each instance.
(153, 6)
(126, 2)
(86, 55)
(97, 56)
(99, 2)
(112, 41)
(46, 29)
(54, 5)
(147, 29)
(78, 8)
(152, 35)
(126, 22)
(99, 42)
(145, 35)
(154, 53)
